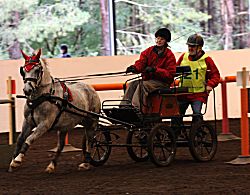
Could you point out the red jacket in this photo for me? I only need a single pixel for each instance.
(164, 64)
(212, 80)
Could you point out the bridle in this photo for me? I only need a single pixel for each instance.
(29, 66)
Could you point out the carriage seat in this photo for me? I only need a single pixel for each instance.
(174, 89)
(125, 113)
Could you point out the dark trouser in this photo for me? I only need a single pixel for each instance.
(196, 108)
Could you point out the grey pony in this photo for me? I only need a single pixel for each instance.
(37, 121)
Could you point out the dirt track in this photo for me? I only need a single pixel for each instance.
(121, 175)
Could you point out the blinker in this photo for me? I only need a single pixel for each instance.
(21, 71)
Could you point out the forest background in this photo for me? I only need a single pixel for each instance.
(84, 25)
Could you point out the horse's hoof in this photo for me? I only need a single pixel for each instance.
(10, 170)
(84, 166)
(50, 168)
(15, 164)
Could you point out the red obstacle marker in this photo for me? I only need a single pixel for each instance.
(226, 135)
(108, 86)
(68, 147)
(11, 89)
(244, 158)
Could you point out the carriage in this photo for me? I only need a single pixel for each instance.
(151, 132)
(54, 104)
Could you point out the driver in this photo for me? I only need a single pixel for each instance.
(205, 76)
(157, 65)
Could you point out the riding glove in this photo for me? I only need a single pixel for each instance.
(131, 69)
(149, 69)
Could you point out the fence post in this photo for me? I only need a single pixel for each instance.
(244, 158)
(225, 135)
(13, 107)
(9, 89)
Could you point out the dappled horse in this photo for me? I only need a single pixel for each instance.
(54, 105)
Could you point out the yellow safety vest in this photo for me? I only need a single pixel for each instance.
(196, 81)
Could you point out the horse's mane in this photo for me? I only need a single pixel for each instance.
(44, 63)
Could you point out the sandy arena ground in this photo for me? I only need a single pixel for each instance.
(121, 175)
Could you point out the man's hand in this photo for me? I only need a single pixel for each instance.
(149, 69)
(208, 89)
(131, 69)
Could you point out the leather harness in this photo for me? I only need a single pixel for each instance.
(67, 97)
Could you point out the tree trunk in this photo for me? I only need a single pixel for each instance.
(248, 24)
(14, 50)
(213, 22)
(227, 10)
(14, 47)
(202, 9)
(242, 22)
(105, 28)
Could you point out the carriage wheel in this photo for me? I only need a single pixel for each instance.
(138, 151)
(161, 145)
(203, 143)
(100, 148)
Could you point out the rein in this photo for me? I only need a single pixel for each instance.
(93, 76)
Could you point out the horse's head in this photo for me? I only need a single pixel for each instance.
(32, 72)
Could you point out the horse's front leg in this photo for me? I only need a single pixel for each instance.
(39, 131)
(61, 142)
(85, 165)
(26, 130)
(90, 126)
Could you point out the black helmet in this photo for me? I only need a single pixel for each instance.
(165, 33)
(195, 39)
(64, 47)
